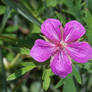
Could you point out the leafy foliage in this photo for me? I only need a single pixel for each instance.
(21, 72)
(69, 85)
(46, 78)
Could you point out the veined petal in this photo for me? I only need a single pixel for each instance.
(51, 29)
(81, 52)
(73, 30)
(61, 64)
(41, 50)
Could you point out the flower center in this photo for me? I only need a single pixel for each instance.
(62, 45)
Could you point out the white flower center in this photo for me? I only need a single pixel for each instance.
(63, 44)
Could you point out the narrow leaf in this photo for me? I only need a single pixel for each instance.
(76, 74)
(20, 72)
(88, 21)
(22, 11)
(5, 18)
(27, 64)
(60, 83)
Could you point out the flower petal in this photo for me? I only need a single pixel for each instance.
(73, 30)
(51, 29)
(41, 50)
(81, 52)
(61, 64)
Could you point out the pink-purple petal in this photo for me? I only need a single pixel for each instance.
(73, 30)
(51, 29)
(61, 64)
(81, 52)
(42, 50)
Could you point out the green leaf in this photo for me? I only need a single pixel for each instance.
(46, 83)
(60, 83)
(61, 18)
(36, 29)
(89, 85)
(8, 39)
(11, 28)
(27, 64)
(76, 74)
(27, 43)
(21, 72)
(21, 9)
(53, 3)
(25, 51)
(88, 65)
(74, 9)
(89, 4)
(2, 9)
(46, 78)
(5, 18)
(69, 85)
(88, 21)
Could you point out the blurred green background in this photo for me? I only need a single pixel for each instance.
(20, 22)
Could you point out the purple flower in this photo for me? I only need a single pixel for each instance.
(62, 45)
